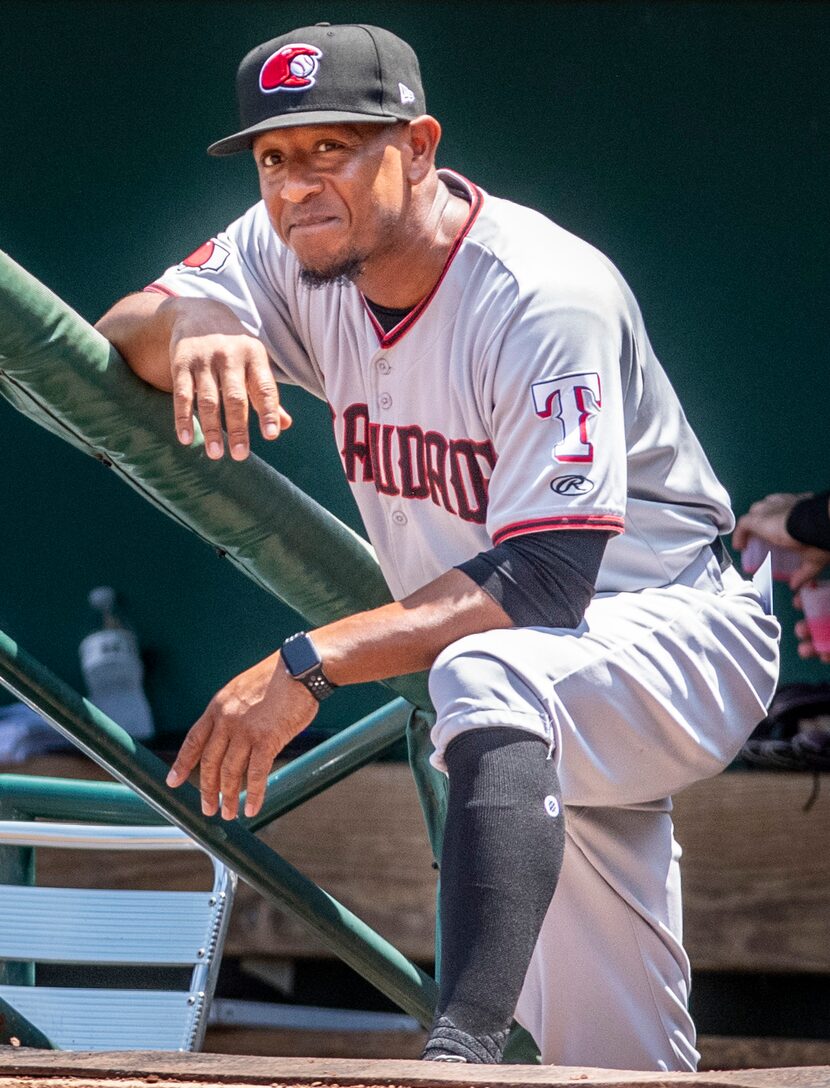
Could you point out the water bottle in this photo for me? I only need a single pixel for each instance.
(113, 670)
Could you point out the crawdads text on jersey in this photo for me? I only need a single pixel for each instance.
(454, 473)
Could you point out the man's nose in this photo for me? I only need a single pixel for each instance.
(299, 182)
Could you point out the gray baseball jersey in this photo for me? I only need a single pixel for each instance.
(521, 395)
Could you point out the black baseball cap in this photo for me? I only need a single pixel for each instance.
(325, 74)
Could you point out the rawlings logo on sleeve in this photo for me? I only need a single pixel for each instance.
(573, 401)
(571, 485)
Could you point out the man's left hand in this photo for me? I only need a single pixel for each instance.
(245, 726)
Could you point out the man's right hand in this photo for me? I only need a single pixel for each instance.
(217, 367)
(198, 350)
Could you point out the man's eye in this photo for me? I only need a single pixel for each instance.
(271, 158)
(329, 145)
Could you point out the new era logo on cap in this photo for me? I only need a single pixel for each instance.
(407, 96)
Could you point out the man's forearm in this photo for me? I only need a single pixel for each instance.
(408, 635)
(139, 329)
(144, 327)
(257, 713)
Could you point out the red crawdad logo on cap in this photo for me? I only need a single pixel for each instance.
(291, 68)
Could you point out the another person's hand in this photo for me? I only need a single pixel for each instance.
(767, 519)
(244, 728)
(218, 367)
(805, 643)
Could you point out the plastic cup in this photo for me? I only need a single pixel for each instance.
(785, 561)
(815, 600)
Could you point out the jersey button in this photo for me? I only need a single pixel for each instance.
(383, 366)
(399, 517)
(385, 401)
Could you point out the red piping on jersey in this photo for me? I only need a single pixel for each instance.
(387, 339)
(159, 289)
(614, 522)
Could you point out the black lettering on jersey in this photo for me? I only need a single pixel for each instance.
(380, 444)
(436, 447)
(413, 462)
(466, 472)
(429, 465)
(356, 450)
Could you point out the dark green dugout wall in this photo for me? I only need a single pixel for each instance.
(689, 141)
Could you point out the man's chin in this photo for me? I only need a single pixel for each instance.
(341, 272)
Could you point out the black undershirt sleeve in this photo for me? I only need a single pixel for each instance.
(541, 579)
(809, 521)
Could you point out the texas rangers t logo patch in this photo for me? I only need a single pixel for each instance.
(573, 401)
(291, 68)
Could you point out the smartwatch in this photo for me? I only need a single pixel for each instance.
(303, 663)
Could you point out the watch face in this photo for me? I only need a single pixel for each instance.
(299, 655)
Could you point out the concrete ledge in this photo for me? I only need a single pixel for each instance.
(23, 1068)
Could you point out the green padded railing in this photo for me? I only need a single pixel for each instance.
(58, 370)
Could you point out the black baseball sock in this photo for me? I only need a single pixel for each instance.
(503, 844)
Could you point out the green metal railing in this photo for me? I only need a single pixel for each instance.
(231, 841)
(16, 1030)
(25, 796)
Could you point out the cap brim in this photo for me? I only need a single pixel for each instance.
(243, 141)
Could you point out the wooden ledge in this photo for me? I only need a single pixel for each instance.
(24, 1068)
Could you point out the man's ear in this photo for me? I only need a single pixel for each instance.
(422, 137)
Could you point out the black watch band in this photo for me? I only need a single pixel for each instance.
(303, 663)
